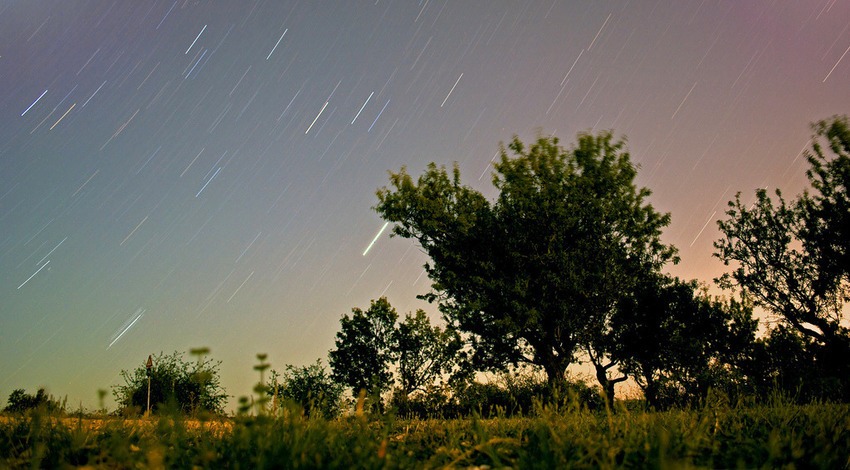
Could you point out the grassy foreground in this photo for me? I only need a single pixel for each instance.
(812, 436)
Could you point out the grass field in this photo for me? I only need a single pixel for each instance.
(782, 435)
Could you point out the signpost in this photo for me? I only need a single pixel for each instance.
(149, 366)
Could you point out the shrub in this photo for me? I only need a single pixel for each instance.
(20, 401)
(188, 386)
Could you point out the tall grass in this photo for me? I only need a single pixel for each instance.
(773, 435)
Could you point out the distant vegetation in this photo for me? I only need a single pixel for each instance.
(20, 402)
(565, 266)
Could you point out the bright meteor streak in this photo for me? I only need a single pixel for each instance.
(196, 39)
(48, 262)
(317, 117)
(376, 238)
(278, 42)
(361, 108)
(450, 91)
(42, 96)
(127, 328)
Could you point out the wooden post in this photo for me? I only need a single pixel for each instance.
(149, 366)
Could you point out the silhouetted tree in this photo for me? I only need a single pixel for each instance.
(678, 342)
(827, 208)
(535, 275)
(791, 257)
(783, 361)
(424, 352)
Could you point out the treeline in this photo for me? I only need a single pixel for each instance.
(566, 266)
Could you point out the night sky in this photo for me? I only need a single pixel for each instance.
(177, 174)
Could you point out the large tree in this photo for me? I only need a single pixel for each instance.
(534, 276)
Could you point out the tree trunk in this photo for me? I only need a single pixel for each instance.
(650, 392)
(556, 371)
(606, 383)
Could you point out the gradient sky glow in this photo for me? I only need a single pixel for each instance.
(177, 174)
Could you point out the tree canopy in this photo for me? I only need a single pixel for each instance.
(424, 352)
(827, 209)
(20, 401)
(371, 345)
(534, 276)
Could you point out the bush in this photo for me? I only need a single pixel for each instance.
(20, 401)
(189, 387)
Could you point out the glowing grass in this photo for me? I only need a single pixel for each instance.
(759, 436)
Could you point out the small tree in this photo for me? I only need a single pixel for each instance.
(363, 353)
(424, 352)
(310, 387)
(190, 386)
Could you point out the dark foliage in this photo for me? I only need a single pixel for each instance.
(309, 387)
(20, 401)
(678, 343)
(533, 277)
(371, 344)
(513, 394)
(364, 349)
(791, 257)
(827, 208)
(188, 387)
(424, 352)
